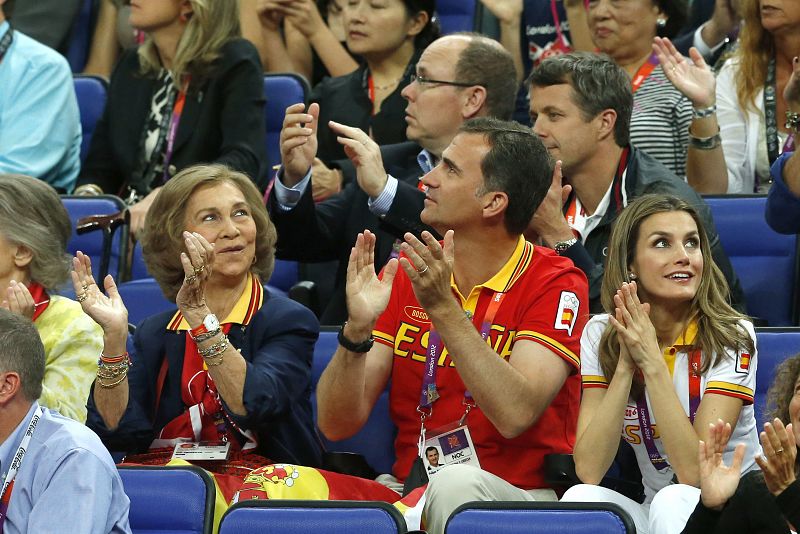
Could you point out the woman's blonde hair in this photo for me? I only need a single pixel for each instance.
(212, 24)
(718, 324)
(756, 48)
(163, 240)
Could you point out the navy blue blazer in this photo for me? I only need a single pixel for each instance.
(278, 346)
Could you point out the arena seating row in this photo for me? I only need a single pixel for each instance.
(180, 500)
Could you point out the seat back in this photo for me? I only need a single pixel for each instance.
(375, 441)
(457, 15)
(138, 266)
(539, 518)
(92, 92)
(80, 40)
(97, 244)
(143, 298)
(284, 275)
(311, 517)
(281, 90)
(169, 500)
(766, 262)
(774, 346)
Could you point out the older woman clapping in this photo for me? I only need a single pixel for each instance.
(233, 364)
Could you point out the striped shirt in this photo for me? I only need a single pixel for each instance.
(660, 121)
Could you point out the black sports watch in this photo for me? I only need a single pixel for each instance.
(361, 347)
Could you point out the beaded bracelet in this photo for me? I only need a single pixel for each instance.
(792, 121)
(213, 354)
(702, 113)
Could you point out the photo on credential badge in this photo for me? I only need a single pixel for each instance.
(449, 445)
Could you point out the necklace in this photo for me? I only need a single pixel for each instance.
(388, 85)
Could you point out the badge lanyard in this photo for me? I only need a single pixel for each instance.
(771, 117)
(429, 393)
(5, 42)
(644, 413)
(644, 72)
(8, 484)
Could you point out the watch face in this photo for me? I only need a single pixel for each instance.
(210, 322)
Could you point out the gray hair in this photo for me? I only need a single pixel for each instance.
(597, 84)
(22, 352)
(32, 215)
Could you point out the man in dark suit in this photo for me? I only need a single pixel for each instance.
(710, 26)
(458, 77)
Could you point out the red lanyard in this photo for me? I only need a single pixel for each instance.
(643, 72)
(172, 132)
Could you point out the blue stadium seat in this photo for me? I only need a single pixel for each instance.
(106, 248)
(138, 267)
(766, 262)
(281, 91)
(169, 500)
(285, 275)
(539, 518)
(143, 298)
(91, 92)
(311, 517)
(774, 345)
(81, 38)
(456, 15)
(375, 441)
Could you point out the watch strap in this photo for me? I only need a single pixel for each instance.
(360, 347)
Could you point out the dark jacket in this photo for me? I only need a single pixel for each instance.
(278, 346)
(645, 175)
(345, 99)
(327, 231)
(751, 510)
(222, 121)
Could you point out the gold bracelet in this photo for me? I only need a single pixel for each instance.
(792, 121)
(215, 350)
(113, 384)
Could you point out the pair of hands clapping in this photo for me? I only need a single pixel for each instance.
(428, 265)
(718, 482)
(637, 336)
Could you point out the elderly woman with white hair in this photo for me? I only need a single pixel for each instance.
(34, 229)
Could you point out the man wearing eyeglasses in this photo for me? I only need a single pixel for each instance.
(458, 77)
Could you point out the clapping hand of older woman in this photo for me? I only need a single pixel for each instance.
(780, 453)
(198, 264)
(18, 300)
(107, 309)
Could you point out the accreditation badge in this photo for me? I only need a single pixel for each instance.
(449, 445)
(203, 450)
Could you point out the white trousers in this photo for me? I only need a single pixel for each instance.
(455, 485)
(666, 514)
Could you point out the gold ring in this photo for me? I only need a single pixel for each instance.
(422, 271)
(83, 296)
(191, 279)
(85, 287)
(200, 269)
(779, 451)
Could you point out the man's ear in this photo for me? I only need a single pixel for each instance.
(474, 100)
(22, 256)
(10, 385)
(495, 203)
(607, 121)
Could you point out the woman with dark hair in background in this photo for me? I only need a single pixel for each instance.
(389, 35)
(192, 92)
(766, 501)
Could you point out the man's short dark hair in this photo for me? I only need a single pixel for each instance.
(22, 352)
(597, 84)
(429, 449)
(517, 164)
(485, 62)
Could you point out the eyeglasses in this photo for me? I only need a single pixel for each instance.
(427, 82)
